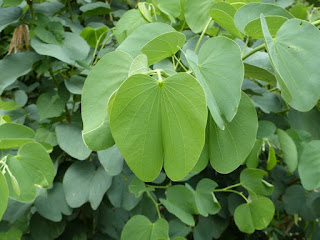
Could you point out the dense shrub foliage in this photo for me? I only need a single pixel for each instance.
(157, 120)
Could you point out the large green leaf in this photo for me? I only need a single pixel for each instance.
(141, 228)
(297, 70)
(252, 180)
(8, 16)
(51, 204)
(50, 106)
(252, 11)
(223, 13)
(205, 200)
(4, 195)
(220, 71)
(14, 135)
(197, 14)
(70, 140)
(156, 40)
(229, 148)
(180, 202)
(309, 163)
(68, 52)
(32, 166)
(289, 150)
(103, 80)
(255, 215)
(153, 119)
(15, 65)
(95, 8)
(84, 182)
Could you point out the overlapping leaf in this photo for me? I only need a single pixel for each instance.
(151, 120)
(14, 135)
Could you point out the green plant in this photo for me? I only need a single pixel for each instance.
(164, 119)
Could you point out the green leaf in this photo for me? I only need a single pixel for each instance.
(230, 147)
(299, 11)
(252, 11)
(252, 159)
(96, 8)
(169, 7)
(45, 135)
(94, 37)
(128, 23)
(137, 187)
(157, 118)
(211, 227)
(8, 16)
(119, 194)
(266, 129)
(272, 160)
(156, 40)
(255, 215)
(46, 34)
(203, 160)
(297, 72)
(252, 180)
(220, 62)
(112, 160)
(51, 204)
(95, 96)
(145, 11)
(289, 150)
(181, 203)
(49, 106)
(253, 29)
(4, 195)
(68, 52)
(21, 98)
(32, 166)
(75, 84)
(15, 65)
(197, 14)
(141, 228)
(294, 199)
(223, 13)
(83, 182)
(205, 200)
(10, 3)
(14, 135)
(70, 140)
(309, 171)
(139, 65)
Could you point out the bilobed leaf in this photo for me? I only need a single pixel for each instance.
(151, 120)
(252, 11)
(32, 166)
(8, 16)
(51, 204)
(141, 228)
(4, 195)
(156, 40)
(252, 180)
(68, 52)
(223, 13)
(297, 72)
(205, 200)
(103, 80)
(181, 203)
(83, 182)
(15, 65)
(94, 37)
(197, 14)
(230, 147)
(14, 135)
(49, 106)
(289, 150)
(220, 72)
(309, 170)
(70, 140)
(255, 215)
